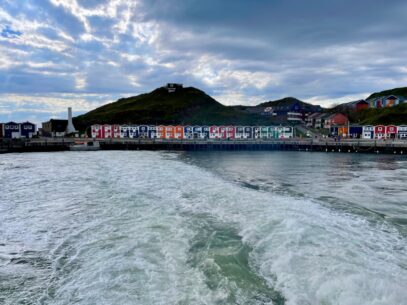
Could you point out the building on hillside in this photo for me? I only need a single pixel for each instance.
(355, 132)
(379, 132)
(368, 132)
(391, 101)
(402, 132)
(335, 119)
(295, 117)
(11, 130)
(310, 119)
(27, 130)
(391, 132)
(359, 105)
(320, 120)
(54, 128)
(173, 87)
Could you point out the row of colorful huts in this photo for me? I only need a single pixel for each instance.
(191, 132)
(370, 132)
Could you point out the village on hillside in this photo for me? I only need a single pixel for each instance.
(289, 119)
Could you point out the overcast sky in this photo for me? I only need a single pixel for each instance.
(85, 53)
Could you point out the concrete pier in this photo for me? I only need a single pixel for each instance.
(322, 145)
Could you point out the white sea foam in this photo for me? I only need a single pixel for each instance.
(118, 228)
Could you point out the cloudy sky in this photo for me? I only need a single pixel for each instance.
(85, 53)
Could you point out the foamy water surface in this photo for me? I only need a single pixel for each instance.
(203, 228)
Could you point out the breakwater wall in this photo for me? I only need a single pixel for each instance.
(322, 145)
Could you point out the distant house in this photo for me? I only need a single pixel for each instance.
(310, 119)
(27, 130)
(54, 128)
(335, 119)
(11, 130)
(391, 101)
(359, 105)
(173, 87)
(320, 120)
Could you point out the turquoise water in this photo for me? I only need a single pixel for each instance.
(202, 228)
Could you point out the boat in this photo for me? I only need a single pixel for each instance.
(85, 146)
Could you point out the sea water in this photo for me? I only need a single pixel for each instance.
(139, 227)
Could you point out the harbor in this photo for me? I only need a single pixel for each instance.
(292, 144)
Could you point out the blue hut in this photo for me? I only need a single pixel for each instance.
(355, 132)
(188, 132)
(239, 133)
(143, 131)
(134, 132)
(248, 132)
(11, 130)
(205, 132)
(152, 132)
(27, 130)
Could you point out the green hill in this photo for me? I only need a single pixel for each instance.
(400, 92)
(395, 115)
(185, 106)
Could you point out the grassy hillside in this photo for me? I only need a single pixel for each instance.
(186, 106)
(396, 91)
(394, 115)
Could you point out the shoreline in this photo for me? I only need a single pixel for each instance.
(398, 147)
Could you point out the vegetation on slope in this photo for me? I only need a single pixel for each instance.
(186, 106)
(400, 92)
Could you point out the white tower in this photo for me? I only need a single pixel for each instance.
(70, 128)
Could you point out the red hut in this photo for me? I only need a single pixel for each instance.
(178, 132)
(222, 132)
(391, 132)
(230, 132)
(379, 132)
(169, 132)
